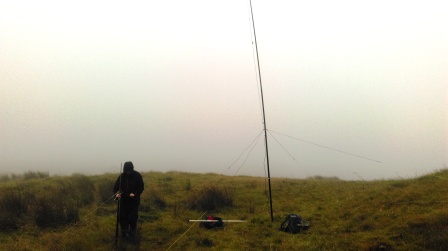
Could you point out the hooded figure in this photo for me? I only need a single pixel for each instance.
(128, 188)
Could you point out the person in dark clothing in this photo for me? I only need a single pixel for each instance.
(128, 188)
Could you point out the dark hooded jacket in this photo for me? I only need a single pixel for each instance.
(130, 181)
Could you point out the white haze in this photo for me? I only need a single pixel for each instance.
(172, 86)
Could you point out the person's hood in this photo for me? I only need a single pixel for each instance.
(128, 167)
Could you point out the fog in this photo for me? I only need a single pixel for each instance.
(351, 89)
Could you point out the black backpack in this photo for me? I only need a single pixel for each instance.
(213, 222)
(294, 224)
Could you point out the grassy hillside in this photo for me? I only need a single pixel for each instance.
(78, 213)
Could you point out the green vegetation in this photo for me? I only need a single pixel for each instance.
(39, 212)
(26, 176)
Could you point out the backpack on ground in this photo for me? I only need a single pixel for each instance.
(212, 222)
(294, 224)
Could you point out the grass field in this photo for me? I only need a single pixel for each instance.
(77, 213)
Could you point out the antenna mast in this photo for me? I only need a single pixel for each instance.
(264, 117)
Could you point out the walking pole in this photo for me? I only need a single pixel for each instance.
(118, 208)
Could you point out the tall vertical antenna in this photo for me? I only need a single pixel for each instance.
(264, 117)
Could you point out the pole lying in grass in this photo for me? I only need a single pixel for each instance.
(216, 220)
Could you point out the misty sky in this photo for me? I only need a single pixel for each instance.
(172, 85)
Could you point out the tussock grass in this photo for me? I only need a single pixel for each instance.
(407, 214)
(211, 197)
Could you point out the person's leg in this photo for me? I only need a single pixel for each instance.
(133, 215)
(124, 218)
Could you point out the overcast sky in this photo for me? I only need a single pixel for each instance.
(172, 85)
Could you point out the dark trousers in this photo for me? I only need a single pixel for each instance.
(129, 215)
